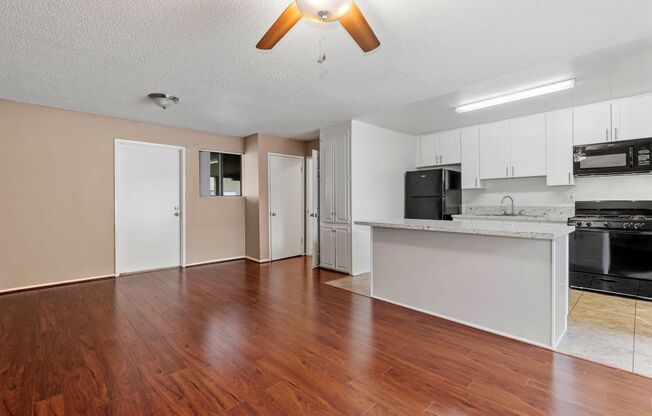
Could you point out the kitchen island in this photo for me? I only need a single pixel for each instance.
(507, 278)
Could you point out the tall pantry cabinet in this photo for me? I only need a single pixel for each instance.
(335, 191)
(362, 171)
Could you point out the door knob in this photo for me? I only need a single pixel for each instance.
(273, 214)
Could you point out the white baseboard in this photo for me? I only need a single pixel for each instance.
(257, 260)
(58, 283)
(199, 263)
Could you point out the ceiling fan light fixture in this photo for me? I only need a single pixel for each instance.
(163, 100)
(324, 10)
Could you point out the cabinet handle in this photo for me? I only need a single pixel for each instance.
(615, 133)
(512, 170)
(606, 132)
(476, 182)
(569, 178)
(506, 170)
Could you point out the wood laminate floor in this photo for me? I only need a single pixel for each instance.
(244, 339)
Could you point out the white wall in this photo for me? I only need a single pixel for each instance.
(533, 191)
(379, 159)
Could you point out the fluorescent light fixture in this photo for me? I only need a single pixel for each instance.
(521, 95)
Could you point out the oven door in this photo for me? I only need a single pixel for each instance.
(611, 252)
(603, 159)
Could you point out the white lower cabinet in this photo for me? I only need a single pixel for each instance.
(342, 250)
(327, 247)
(335, 248)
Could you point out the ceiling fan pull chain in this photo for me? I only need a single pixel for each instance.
(322, 54)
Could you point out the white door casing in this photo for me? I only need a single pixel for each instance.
(314, 211)
(149, 206)
(286, 206)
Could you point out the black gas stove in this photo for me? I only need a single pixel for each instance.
(611, 248)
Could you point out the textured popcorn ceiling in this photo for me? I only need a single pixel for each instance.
(105, 56)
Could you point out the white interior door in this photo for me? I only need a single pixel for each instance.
(286, 206)
(314, 212)
(148, 199)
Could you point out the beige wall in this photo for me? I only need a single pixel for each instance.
(250, 192)
(258, 148)
(57, 209)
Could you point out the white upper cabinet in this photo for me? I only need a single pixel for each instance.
(326, 184)
(449, 147)
(494, 150)
(441, 148)
(592, 124)
(470, 158)
(342, 176)
(528, 146)
(427, 150)
(632, 118)
(559, 148)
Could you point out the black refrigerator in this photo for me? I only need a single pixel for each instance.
(434, 194)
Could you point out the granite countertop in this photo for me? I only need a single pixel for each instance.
(527, 218)
(497, 229)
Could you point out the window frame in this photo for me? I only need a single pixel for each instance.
(220, 178)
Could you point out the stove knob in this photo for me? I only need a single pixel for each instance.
(637, 225)
(588, 224)
(579, 223)
(607, 224)
(627, 225)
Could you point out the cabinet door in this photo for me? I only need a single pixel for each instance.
(528, 146)
(342, 250)
(449, 147)
(341, 166)
(559, 148)
(428, 150)
(327, 247)
(470, 158)
(592, 123)
(632, 118)
(494, 150)
(326, 184)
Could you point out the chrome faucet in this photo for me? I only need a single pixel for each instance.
(511, 199)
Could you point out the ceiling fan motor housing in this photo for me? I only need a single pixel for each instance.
(324, 10)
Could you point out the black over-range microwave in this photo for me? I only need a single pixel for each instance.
(613, 158)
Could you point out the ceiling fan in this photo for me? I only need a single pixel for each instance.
(324, 11)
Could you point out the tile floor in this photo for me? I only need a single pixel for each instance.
(357, 284)
(611, 330)
(607, 329)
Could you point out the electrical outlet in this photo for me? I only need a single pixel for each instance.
(570, 196)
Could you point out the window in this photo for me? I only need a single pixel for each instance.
(220, 174)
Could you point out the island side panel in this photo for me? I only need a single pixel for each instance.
(500, 284)
(560, 250)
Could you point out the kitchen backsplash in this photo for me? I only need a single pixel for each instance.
(552, 212)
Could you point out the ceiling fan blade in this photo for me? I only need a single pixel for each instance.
(357, 26)
(281, 26)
